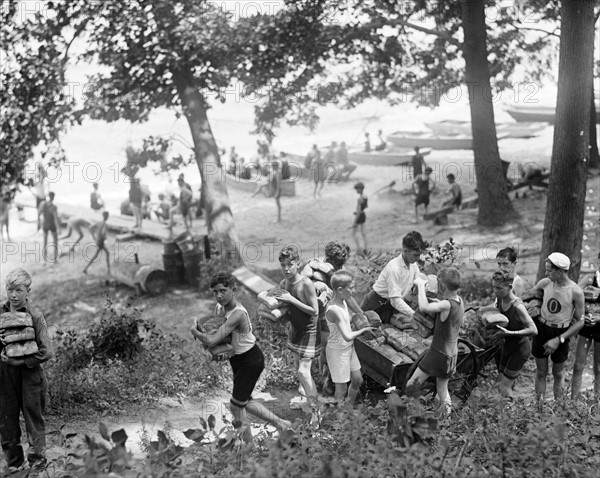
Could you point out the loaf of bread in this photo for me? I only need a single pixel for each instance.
(221, 349)
(491, 319)
(318, 276)
(267, 298)
(19, 335)
(324, 267)
(210, 324)
(423, 324)
(591, 293)
(21, 349)
(373, 318)
(17, 320)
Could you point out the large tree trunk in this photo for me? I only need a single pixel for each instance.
(495, 207)
(565, 207)
(219, 218)
(594, 154)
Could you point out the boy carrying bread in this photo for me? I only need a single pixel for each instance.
(247, 360)
(23, 383)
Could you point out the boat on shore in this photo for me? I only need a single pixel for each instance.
(387, 157)
(539, 113)
(514, 130)
(423, 139)
(288, 187)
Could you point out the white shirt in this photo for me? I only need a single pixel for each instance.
(395, 282)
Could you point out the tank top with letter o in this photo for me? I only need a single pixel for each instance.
(558, 307)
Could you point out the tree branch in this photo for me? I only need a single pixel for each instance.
(78, 32)
(397, 22)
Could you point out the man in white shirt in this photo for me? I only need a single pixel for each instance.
(396, 280)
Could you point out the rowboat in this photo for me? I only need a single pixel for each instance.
(391, 157)
(539, 113)
(410, 139)
(514, 130)
(288, 187)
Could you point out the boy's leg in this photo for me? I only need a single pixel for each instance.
(305, 377)
(341, 390)
(581, 351)
(44, 251)
(278, 204)
(55, 244)
(442, 390)
(92, 260)
(559, 379)
(10, 408)
(597, 368)
(414, 383)
(356, 381)
(364, 236)
(107, 258)
(34, 407)
(541, 366)
(260, 411)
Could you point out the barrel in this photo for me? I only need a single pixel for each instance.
(170, 247)
(191, 264)
(174, 268)
(152, 279)
(185, 241)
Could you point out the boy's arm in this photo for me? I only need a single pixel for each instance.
(542, 283)
(530, 328)
(433, 307)
(354, 307)
(56, 220)
(311, 307)
(345, 331)
(216, 337)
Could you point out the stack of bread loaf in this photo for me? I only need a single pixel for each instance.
(533, 299)
(405, 342)
(270, 307)
(480, 326)
(320, 273)
(210, 324)
(19, 334)
(369, 319)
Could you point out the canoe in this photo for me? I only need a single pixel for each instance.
(410, 139)
(513, 130)
(392, 157)
(288, 187)
(543, 114)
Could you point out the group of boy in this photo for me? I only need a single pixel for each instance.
(423, 185)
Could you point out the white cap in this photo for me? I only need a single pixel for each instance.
(560, 260)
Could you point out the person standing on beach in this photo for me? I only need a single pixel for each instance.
(358, 226)
(183, 206)
(4, 208)
(418, 162)
(49, 214)
(342, 162)
(422, 187)
(136, 199)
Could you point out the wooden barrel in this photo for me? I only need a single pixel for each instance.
(191, 263)
(185, 241)
(170, 247)
(174, 268)
(152, 279)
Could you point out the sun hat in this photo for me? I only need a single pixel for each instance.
(560, 260)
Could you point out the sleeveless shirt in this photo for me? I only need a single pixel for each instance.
(557, 307)
(336, 341)
(445, 334)
(242, 337)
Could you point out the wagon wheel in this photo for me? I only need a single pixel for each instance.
(461, 383)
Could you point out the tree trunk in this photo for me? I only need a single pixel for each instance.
(594, 154)
(565, 207)
(495, 207)
(219, 218)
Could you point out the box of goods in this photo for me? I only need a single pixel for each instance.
(267, 297)
(19, 334)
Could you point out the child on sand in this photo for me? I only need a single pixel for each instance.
(358, 227)
(422, 187)
(440, 360)
(517, 346)
(99, 233)
(247, 361)
(50, 223)
(304, 339)
(341, 357)
(455, 191)
(23, 384)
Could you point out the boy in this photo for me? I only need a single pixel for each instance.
(162, 210)
(50, 223)
(440, 360)
(273, 187)
(422, 187)
(4, 210)
(517, 346)
(382, 144)
(247, 361)
(562, 317)
(23, 383)
(341, 159)
(77, 223)
(358, 227)
(396, 280)
(304, 339)
(183, 206)
(99, 233)
(507, 261)
(455, 191)
(590, 333)
(341, 357)
(418, 162)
